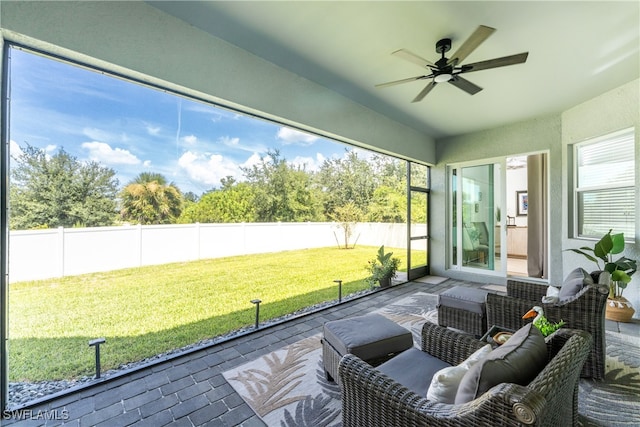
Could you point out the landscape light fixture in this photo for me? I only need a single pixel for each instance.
(339, 282)
(257, 303)
(96, 343)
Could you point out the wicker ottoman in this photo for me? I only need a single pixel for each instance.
(372, 337)
(463, 308)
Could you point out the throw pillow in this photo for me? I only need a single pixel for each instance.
(517, 361)
(445, 382)
(552, 295)
(573, 283)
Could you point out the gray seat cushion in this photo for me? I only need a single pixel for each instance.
(463, 298)
(413, 369)
(368, 337)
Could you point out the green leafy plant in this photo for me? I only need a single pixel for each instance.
(544, 325)
(547, 327)
(621, 269)
(383, 267)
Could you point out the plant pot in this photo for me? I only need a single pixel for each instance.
(619, 309)
(385, 282)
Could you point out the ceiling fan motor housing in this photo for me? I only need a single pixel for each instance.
(443, 45)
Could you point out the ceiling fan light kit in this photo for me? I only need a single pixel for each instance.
(448, 69)
(442, 78)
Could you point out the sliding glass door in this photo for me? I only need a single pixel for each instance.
(475, 214)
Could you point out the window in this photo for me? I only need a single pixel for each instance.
(94, 159)
(604, 185)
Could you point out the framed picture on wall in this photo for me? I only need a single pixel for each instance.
(522, 202)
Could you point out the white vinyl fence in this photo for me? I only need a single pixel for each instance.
(44, 254)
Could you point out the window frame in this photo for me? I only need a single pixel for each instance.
(577, 189)
(128, 77)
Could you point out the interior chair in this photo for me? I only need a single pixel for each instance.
(473, 248)
(483, 232)
(582, 306)
(372, 398)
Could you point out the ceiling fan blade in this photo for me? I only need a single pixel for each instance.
(479, 35)
(465, 85)
(424, 92)
(497, 62)
(397, 82)
(412, 57)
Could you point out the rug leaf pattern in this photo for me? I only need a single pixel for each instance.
(614, 401)
(271, 387)
(288, 387)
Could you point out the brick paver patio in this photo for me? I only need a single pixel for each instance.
(190, 390)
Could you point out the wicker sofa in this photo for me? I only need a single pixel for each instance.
(371, 398)
(585, 310)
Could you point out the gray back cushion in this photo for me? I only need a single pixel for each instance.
(517, 361)
(573, 284)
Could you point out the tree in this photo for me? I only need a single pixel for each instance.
(190, 196)
(60, 191)
(283, 192)
(148, 199)
(347, 180)
(388, 205)
(233, 203)
(347, 217)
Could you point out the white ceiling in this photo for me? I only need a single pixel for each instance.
(577, 50)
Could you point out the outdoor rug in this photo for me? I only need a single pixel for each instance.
(288, 387)
(431, 280)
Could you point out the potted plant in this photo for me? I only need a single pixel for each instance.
(382, 268)
(618, 307)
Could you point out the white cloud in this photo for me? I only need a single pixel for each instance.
(310, 163)
(208, 169)
(228, 141)
(153, 130)
(292, 136)
(97, 134)
(254, 159)
(190, 139)
(101, 152)
(14, 149)
(16, 152)
(146, 163)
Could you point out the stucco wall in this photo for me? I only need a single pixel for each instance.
(615, 110)
(140, 41)
(609, 112)
(535, 135)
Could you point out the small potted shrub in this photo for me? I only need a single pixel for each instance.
(382, 268)
(618, 307)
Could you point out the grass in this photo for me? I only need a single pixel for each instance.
(146, 311)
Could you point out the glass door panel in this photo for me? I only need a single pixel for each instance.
(475, 226)
(418, 231)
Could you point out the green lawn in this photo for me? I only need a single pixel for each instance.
(146, 311)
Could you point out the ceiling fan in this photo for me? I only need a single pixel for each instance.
(449, 69)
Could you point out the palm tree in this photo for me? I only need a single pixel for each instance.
(148, 199)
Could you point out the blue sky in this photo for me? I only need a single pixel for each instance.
(131, 128)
